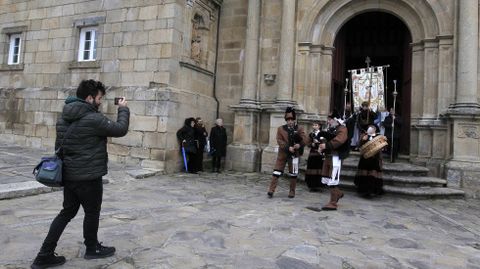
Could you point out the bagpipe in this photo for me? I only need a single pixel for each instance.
(325, 137)
(295, 138)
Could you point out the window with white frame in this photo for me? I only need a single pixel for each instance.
(14, 49)
(87, 50)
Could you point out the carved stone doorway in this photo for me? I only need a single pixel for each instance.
(386, 40)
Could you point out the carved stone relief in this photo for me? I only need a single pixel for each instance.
(196, 46)
(468, 131)
(203, 31)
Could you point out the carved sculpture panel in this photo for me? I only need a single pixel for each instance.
(468, 131)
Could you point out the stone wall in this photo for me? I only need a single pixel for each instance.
(233, 25)
(145, 52)
(28, 117)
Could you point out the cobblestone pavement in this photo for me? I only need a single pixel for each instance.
(226, 221)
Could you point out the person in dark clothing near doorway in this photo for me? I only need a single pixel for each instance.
(393, 120)
(218, 144)
(366, 117)
(186, 137)
(201, 135)
(85, 157)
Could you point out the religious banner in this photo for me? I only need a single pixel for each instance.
(367, 85)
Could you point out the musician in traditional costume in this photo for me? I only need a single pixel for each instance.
(313, 174)
(368, 178)
(336, 149)
(291, 140)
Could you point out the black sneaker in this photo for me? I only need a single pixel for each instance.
(48, 260)
(99, 252)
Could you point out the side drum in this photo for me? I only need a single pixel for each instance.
(373, 146)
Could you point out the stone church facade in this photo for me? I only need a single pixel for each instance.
(244, 61)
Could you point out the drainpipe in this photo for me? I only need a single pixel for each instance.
(216, 62)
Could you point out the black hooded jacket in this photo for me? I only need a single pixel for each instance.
(84, 151)
(187, 133)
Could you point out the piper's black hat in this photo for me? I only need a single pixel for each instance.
(290, 113)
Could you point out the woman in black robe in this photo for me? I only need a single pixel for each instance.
(186, 138)
(369, 176)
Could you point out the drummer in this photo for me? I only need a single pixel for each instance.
(369, 176)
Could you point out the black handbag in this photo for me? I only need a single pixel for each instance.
(49, 170)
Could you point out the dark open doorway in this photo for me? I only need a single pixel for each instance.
(386, 40)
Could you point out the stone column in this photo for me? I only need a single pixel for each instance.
(250, 74)
(287, 50)
(463, 170)
(467, 51)
(244, 154)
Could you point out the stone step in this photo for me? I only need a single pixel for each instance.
(20, 189)
(407, 181)
(415, 192)
(394, 169)
(426, 192)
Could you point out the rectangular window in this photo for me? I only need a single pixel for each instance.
(87, 50)
(14, 49)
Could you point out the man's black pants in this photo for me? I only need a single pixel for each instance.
(88, 194)
(216, 162)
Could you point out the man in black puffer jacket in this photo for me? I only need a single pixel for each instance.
(84, 151)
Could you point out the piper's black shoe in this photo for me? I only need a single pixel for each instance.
(99, 252)
(270, 194)
(48, 260)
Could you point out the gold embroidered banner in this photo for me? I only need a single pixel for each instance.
(361, 85)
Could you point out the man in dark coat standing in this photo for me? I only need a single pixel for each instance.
(218, 144)
(85, 157)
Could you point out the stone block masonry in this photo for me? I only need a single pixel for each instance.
(28, 118)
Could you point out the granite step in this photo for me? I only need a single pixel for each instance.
(401, 178)
(415, 192)
(397, 168)
(407, 181)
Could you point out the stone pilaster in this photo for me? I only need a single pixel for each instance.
(467, 51)
(463, 170)
(250, 77)
(244, 154)
(287, 52)
(417, 96)
(269, 153)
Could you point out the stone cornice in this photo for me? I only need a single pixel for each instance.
(196, 68)
(11, 67)
(93, 21)
(84, 65)
(14, 29)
